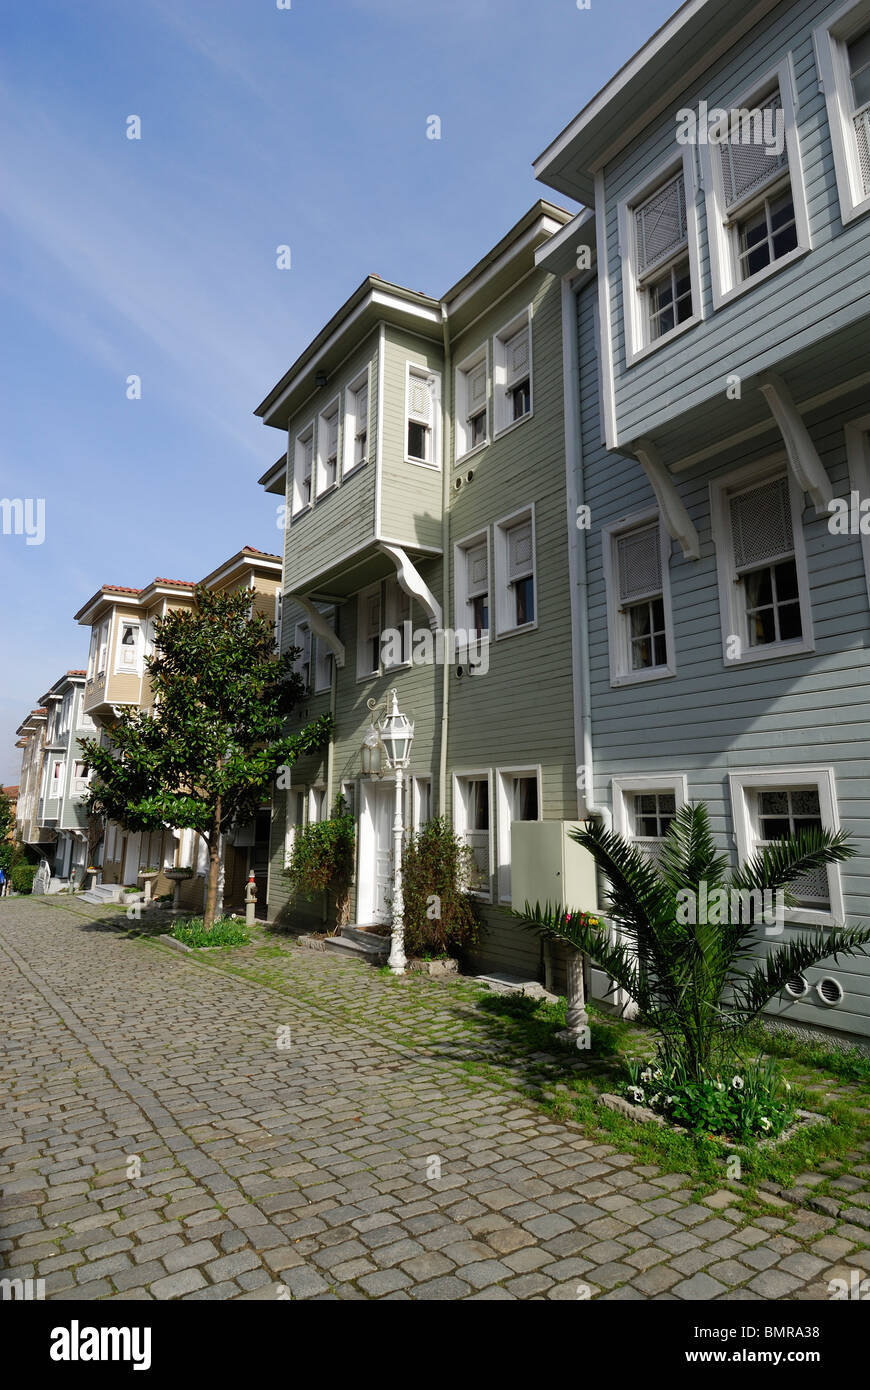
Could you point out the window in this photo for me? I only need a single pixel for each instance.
(92, 653)
(513, 372)
(420, 417)
(515, 573)
(398, 621)
(763, 587)
(56, 777)
(472, 822)
(472, 423)
(369, 631)
(103, 647)
(279, 607)
(471, 580)
(127, 651)
(421, 801)
(636, 558)
(643, 808)
(658, 234)
(356, 423)
(348, 791)
(302, 662)
(304, 462)
(294, 818)
(756, 208)
(843, 52)
(327, 449)
(316, 805)
(81, 777)
(772, 803)
(519, 798)
(324, 658)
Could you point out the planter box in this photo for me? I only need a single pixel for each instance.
(437, 968)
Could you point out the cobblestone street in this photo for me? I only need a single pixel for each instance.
(310, 1170)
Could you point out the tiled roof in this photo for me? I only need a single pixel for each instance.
(11, 791)
(252, 550)
(118, 589)
(77, 673)
(179, 583)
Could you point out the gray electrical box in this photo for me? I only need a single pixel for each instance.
(548, 866)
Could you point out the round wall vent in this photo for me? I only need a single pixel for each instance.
(460, 672)
(469, 475)
(796, 986)
(458, 484)
(830, 991)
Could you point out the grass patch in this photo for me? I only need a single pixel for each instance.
(224, 931)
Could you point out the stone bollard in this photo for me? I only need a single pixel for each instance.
(250, 901)
(576, 1028)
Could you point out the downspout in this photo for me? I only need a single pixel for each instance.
(446, 470)
(579, 584)
(330, 764)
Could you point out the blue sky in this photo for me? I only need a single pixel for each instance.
(157, 257)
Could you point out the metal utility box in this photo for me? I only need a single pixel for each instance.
(548, 866)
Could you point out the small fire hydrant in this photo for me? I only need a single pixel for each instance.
(250, 900)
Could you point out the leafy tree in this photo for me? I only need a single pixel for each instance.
(438, 913)
(208, 752)
(691, 979)
(7, 824)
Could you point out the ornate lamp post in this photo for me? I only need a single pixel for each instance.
(396, 735)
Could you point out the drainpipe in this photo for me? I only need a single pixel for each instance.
(579, 587)
(447, 461)
(330, 764)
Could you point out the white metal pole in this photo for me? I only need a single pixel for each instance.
(398, 960)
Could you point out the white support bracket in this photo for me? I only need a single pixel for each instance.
(677, 521)
(803, 457)
(321, 629)
(413, 584)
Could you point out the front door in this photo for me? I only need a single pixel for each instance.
(130, 872)
(375, 853)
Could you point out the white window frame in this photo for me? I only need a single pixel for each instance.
(857, 434)
(292, 795)
(80, 783)
(418, 369)
(499, 611)
(363, 670)
(302, 638)
(417, 784)
(392, 595)
(351, 423)
(501, 424)
(504, 821)
(330, 412)
(618, 632)
(135, 668)
(317, 811)
(724, 274)
(104, 643)
(323, 657)
(623, 788)
(742, 786)
(463, 447)
(831, 39)
(297, 506)
(279, 609)
(638, 343)
(459, 819)
(732, 608)
(461, 600)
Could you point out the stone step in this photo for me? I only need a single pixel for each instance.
(343, 945)
(365, 935)
(104, 893)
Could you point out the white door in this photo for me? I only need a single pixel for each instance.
(375, 853)
(131, 859)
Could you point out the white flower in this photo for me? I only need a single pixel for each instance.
(670, 1100)
(737, 1083)
(765, 1123)
(636, 1093)
(654, 1100)
(657, 1074)
(646, 1074)
(788, 1086)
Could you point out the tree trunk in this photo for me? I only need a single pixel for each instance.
(214, 869)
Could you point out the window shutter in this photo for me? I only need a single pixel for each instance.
(761, 525)
(420, 399)
(861, 123)
(748, 166)
(639, 564)
(476, 570)
(476, 388)
(660, 224)
(362, 409)
(516, 354)
(373, 615)
(332, 435)
(520, 551)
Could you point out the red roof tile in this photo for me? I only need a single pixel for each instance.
(179, 583)
(77, 673)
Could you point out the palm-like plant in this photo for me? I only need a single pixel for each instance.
(693, 980)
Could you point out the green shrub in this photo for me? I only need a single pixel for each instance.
(22, 877)
(224, 931)
(752, 1103)
(439, 915)
(322, 860)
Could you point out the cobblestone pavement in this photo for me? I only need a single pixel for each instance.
(309, 1170)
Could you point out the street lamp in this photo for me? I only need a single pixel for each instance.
(396, 735)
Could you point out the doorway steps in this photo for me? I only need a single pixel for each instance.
(105, 893)
(363, 942)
